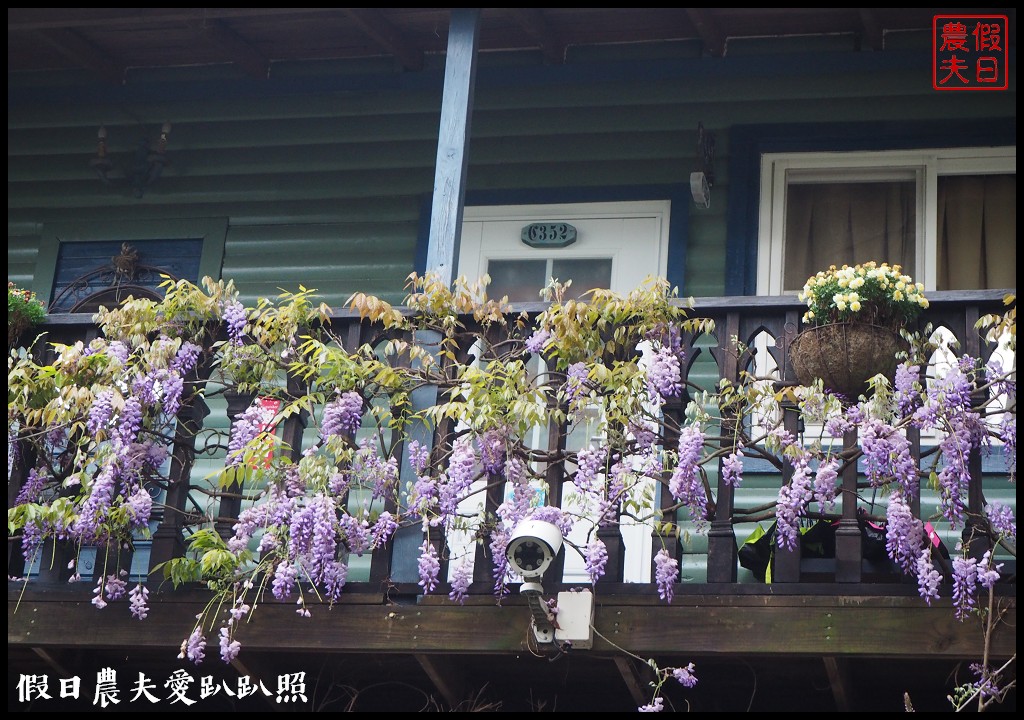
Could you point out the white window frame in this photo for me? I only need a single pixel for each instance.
(924, 166)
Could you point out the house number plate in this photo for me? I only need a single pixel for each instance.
(549, 235)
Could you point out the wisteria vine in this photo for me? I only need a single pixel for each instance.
(101, 418)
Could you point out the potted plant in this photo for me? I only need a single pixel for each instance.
(24, 311)
(854, 320)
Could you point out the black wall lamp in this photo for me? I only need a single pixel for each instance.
(140, 170)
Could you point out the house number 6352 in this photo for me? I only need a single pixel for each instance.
(549, 235)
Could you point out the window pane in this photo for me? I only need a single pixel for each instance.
(585, 274)
(977, 230)
(837, 223)
(520, 280)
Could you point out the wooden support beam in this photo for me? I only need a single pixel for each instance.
(373, 23)
(50, 657)
(235, 48)
(637, 678)
(708, 30)
(767, 624)
(839, 679)
(82, 52)
(532, 20)
(445, 677)
(453, 144)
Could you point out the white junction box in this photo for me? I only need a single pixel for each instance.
(575, 619)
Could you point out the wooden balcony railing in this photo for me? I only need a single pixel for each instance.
(392, 570)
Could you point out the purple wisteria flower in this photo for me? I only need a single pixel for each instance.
(644, 434)
(119, 351)
(462, 576)
(460, 476)
(589, 462)
(664, 379)
(685, 675)
(246, 427)
(596, 557)
(501, 572)
(794, 497)
(686, 484)
(140, 507)
(576, 385)
(657, 705)
(33, 487)
(229, 648)
(174, 385)
(285, 575)
(965, 584)
(234, 318)
(928, 578)
(139, 597)
(370, 470)
(1001, 518)
(824, 490)
(556, 516)
(101, 411)
(732, 467)
(666, 573)
(964, 433)
(536, 342)
(419, 456)
(988, 571)
(887, 455)
(356, 532)
(186, 358)
(129, 422)
(492, 451)
(429, 567)
(194, 648)
(907, 389)
(343, 415)
(383, 529)
(904, 535)
(87, 525)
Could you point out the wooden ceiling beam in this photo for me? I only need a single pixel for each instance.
(532, 20)
(24, 19)
(373, 23)
(708, 30)
(637, 678)
(235, 48)
(83, 53)
(839, 679)
(871, 28)
(445, 677)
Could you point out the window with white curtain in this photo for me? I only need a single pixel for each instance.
(947, 216)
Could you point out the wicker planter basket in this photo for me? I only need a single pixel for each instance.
(845, 356)
(16, 327)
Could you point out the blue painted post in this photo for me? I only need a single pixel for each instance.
(445, 228)
(453, 144)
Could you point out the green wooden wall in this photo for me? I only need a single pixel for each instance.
(321, 172)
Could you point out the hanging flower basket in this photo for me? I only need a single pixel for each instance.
(15, 327)
(846, 355)
(23, 312)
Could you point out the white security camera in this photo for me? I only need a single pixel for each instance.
(533, 547)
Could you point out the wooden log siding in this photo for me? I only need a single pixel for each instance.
(741, 317)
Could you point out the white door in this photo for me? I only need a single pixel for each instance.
(617, 246)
